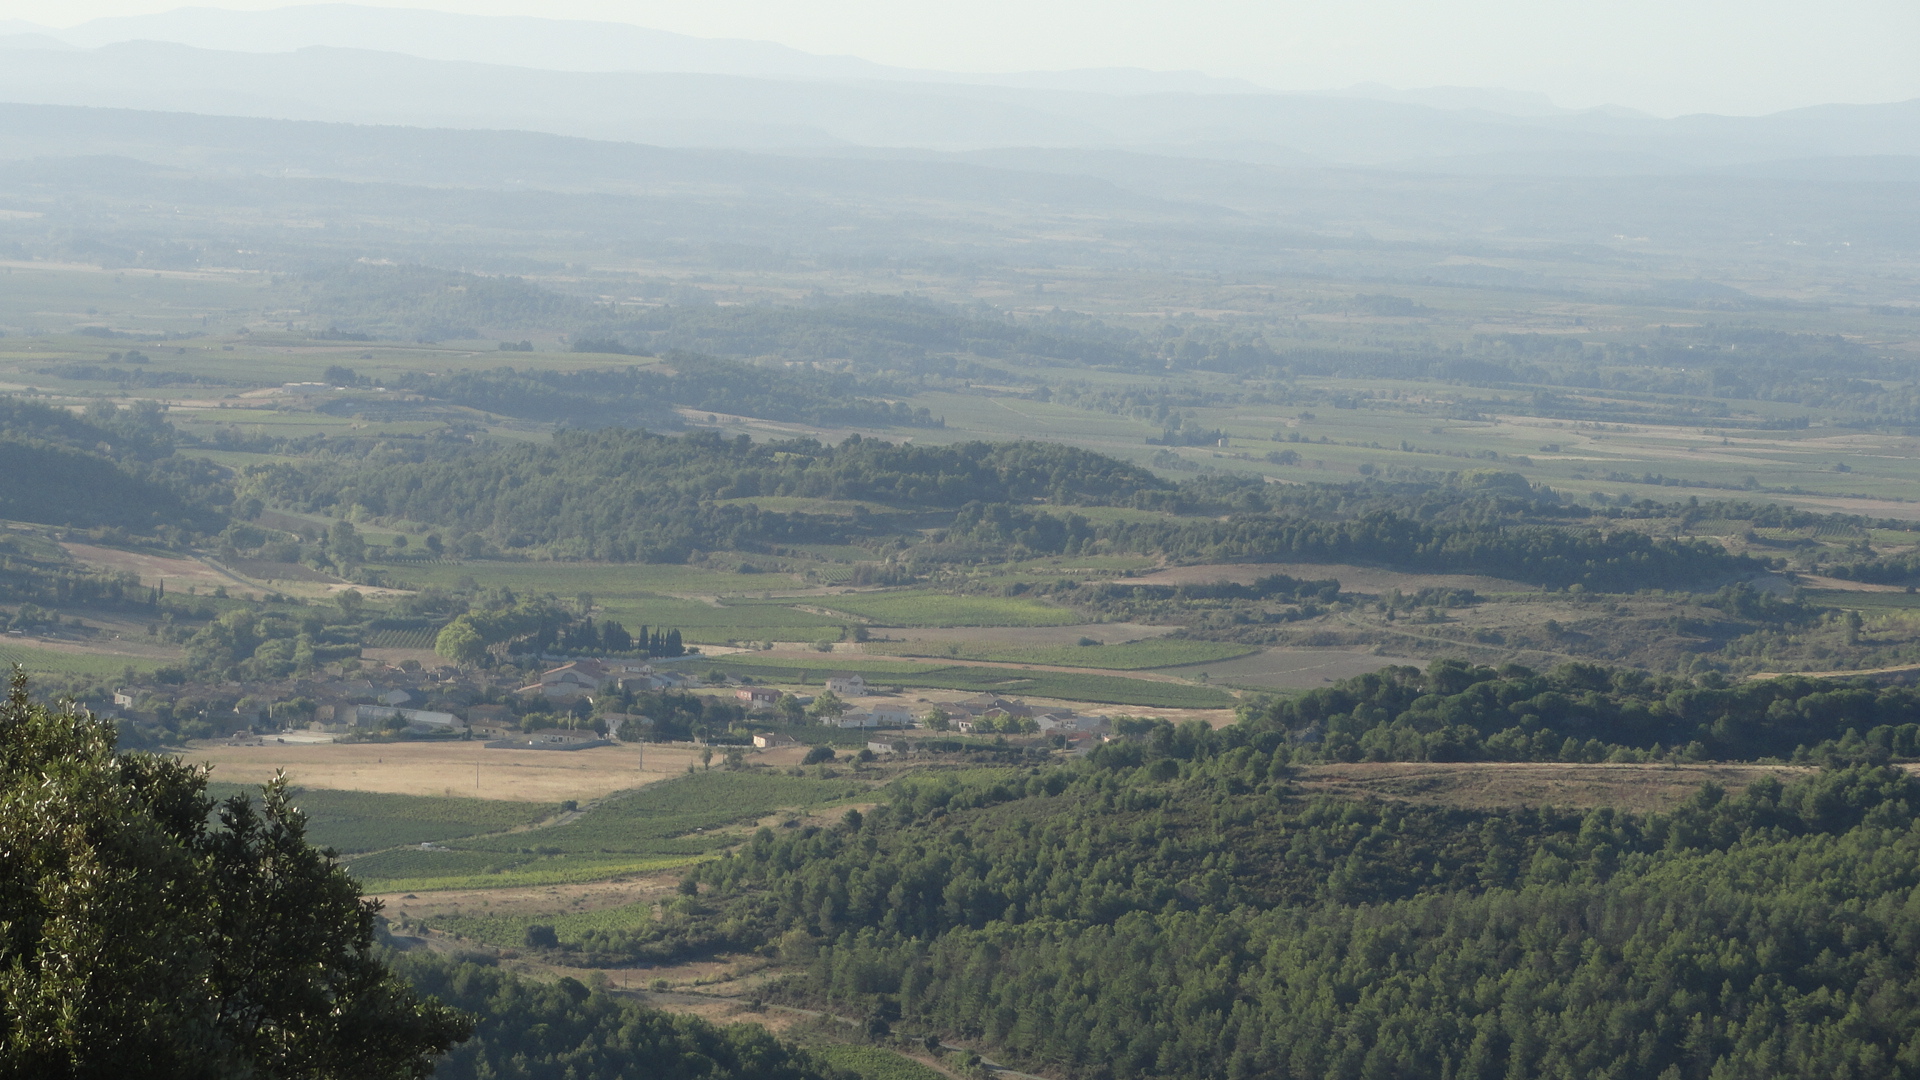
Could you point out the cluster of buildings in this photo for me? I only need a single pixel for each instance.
(414, 701)
(584, 678)
(985, 713)
(410, 700)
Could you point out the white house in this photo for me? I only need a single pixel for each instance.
(1065, 722)
(631, 723)
(562, 736)
(890, 715)
(847, 685)
(856, 718)
(773, 741)
(374, 714)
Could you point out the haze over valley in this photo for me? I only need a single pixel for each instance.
(882, 560)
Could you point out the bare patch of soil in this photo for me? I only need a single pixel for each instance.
(178, 574)
(262, 570)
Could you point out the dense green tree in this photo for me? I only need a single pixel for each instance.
(137, 938)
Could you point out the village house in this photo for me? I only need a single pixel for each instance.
(757, 696)
(855, 718)
(576, 677)
(993, 705)
(774, 741)
(849, 685)
(892, 715)
(424, 719)
(631, 723)
(1080, 743)
(1064, 722)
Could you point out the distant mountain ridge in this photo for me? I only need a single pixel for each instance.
(561, 45)
(760, 96)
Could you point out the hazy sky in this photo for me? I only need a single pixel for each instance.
(1665, 56)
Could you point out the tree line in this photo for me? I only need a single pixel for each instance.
(1455, 711)
(632, 495)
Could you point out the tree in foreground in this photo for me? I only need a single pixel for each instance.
(138, 938)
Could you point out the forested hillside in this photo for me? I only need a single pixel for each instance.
(631, 495)
(563, 1029)
(627, 494)
(106, 467)
(645, 396)
(1455, 711)
(1177, 909)
(875, 332)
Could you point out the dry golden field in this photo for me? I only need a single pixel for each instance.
(449, 768)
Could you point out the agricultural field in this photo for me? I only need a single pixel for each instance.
(652, 827)
(509, 931)
(617, 582)
(920, 607)
(411, 870)
(1290, 668)
(353, 822)
(1864, 599)
(981, 679)
(79, 660)
(1126, 656)
(446, 769)
(1087, 688)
